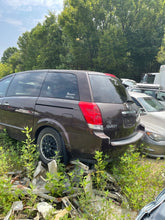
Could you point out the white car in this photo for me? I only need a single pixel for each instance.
(128, 83)
(153, 119)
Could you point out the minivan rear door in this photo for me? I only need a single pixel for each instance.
(119, 113)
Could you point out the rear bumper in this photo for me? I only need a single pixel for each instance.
(116, 148)
(126, 141)
(130, 140)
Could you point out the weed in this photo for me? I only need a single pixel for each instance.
(4, 161)
(100, 176)
(30, 201)
(56, 182)
(29, 156)
(9, 153)
(7, 196)
(134, 178)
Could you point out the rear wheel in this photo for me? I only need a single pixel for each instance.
(50, 143)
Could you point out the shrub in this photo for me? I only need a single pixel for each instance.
(7, 196)
(136, 178)
(29, 153)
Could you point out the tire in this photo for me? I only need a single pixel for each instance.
(49, 143)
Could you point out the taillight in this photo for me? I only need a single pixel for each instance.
(92, 115)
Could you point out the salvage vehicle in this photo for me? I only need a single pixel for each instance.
(128, 83)
(153, 210)
(150, 89)
(71, 112)
(153, 118)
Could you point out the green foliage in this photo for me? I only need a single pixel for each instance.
(137, 180)
(7, 195)
(4, 163)
(56, 182)
(42, 46)
(9, 153)
(16, 62)
(29, 153)
(31, 201)
(100, 176)
(7, 54)
(161, 53)
(5, 69)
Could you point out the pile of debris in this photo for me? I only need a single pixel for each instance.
(69, 203)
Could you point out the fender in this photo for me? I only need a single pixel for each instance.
(47, 122)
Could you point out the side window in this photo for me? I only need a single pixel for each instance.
(26, 84)
(150, 92)
(60, 85)
(4, 85)
(161, 96)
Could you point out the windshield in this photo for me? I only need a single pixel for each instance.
(108, 89)
(151, 105)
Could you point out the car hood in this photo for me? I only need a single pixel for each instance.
(154, 121)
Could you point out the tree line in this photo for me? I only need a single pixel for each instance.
(123, 37)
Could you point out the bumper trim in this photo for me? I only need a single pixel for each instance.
(130, 140)
(102, 136)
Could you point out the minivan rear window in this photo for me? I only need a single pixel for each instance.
(108, 89)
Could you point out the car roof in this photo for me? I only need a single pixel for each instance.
(138, 94)
(147, 86)
(62, 71)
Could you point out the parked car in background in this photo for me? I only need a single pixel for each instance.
(157, 94)
(128, 83)
(150, 90)
(72, 112)
(153, 118)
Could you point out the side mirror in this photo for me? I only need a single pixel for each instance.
(142, 111)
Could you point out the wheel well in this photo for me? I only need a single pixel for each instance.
(41, 128)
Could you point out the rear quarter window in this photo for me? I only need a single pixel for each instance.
(107, 89)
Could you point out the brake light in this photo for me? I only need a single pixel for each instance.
(92, 115)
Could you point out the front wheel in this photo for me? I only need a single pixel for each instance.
(49, 144)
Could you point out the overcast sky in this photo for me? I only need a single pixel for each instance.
(18, 16)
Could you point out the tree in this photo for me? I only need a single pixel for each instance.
(161, 53)
(51, 43)
(16, 62)
(112, 54)
(5, 69)
(42, 46)
(142, 24)
(8, 53)
(27, 51)
(82, 24)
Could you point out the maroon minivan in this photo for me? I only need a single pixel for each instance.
(70, 111)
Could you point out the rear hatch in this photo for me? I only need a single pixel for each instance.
(120, 115)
